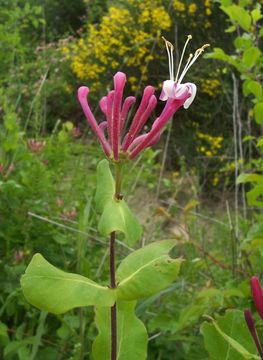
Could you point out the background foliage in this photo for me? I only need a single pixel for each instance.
(203, 182)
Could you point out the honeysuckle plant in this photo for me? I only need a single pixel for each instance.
(144, 272)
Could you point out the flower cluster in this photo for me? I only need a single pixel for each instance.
(210, 87)
(36, 146)
(208, 145)
(116, 145)
(257, 293)
(184, 10)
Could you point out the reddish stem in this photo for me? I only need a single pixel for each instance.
(113, 285)
(113, 308)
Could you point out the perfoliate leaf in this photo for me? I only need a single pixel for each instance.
(131, 334)
(229, 338)
(105, 185)
(118, 217)
(147, 271)
(56, 291)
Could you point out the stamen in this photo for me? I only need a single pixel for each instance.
(189, 37)
(170, 49)
(198, 52)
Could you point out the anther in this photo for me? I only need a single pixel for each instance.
(168, 43)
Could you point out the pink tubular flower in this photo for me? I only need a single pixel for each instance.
(117, 145)
(257, 293)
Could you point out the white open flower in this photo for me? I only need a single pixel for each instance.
(173, 88)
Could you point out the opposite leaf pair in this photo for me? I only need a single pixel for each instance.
(141, 274)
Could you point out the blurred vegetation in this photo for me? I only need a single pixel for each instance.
(203, 182)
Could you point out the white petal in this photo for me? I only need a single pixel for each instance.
(193, 89)
(181, 89)
(169, 88)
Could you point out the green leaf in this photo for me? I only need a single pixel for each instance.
(56, 291)
(226, 2)
(231, 29)
(242, 42)
(229, 338)
(250, 56)
(248, 178)
(254, 196)
(256, 14)
(131, 334)
(248, 138)
(105, 185)
(252, 86)
(14, 346)
(147, 271)
(238, 14)
(4, 338)
(219, 54)
(118, 217)
(258, 111)
(189, 315)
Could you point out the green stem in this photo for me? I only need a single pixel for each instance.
(118, 181)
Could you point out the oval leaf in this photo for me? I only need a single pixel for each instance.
(250, 56)
(229, 338)
(118, 217)
(56, 291)
(131, 334)
(147, 271)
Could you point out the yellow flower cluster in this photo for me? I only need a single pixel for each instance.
(184, 10)
(208, 145)
(179, 5)
(210, 86)
(208, 6)
(124, 37)
(192, 8)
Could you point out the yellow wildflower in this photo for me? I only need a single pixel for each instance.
(192, 8)
(179, 5)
